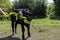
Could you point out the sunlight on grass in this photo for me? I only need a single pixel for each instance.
(45, 22)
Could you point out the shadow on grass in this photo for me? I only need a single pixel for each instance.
(10, 38)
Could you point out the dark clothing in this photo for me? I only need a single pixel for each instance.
(13, 17)
(13, 21)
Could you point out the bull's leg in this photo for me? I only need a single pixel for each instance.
(23, 30)
(28, 29)
(12, 24)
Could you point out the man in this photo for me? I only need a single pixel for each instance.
(13, 17)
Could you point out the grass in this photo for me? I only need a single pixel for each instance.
(45, 22)
(41, 29)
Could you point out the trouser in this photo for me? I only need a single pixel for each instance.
(13, 27)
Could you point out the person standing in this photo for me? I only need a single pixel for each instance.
(13, 21)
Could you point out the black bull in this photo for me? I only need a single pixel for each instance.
(14, 23)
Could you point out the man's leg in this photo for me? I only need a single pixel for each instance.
(12, 24)
(16, 26)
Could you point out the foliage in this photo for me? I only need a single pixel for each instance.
(40, 9)
(57, 7)
(50, 11)
(22, 3)
(5, 5)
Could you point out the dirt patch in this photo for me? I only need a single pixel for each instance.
(37, 33)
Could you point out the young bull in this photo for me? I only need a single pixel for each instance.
(24, 18)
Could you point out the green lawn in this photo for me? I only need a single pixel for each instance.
(45, 22)
(35, 22)
(41, 29)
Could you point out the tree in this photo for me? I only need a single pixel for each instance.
(23, 3)
(40, 8)
(50, 10)
(5, 5)
(57, 7)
